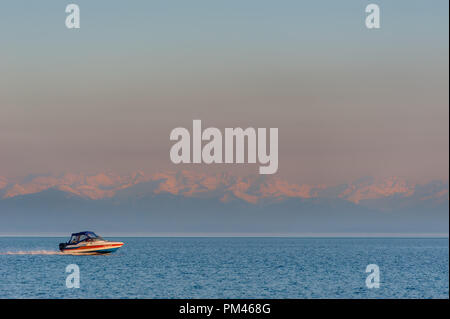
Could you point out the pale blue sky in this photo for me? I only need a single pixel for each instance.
(348, 101)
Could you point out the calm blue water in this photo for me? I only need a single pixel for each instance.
(229, 268)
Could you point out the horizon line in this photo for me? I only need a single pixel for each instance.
(242, 235)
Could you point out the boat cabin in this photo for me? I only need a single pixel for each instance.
(83, 236)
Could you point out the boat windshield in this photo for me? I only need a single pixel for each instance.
(85, 236)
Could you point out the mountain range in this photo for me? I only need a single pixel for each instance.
(195, 202)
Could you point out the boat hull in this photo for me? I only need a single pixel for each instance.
(92, 248)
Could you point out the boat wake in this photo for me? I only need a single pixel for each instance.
(32, 252)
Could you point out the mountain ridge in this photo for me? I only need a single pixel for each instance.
(252, 189)
(189, 203)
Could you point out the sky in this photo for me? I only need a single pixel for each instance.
(348, 101)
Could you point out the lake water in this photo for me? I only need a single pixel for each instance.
(229, 268)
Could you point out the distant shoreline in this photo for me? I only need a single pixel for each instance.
(243, 235)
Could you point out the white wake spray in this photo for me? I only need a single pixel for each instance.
(32, 252)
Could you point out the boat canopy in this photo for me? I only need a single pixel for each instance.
(82, 236)
(87, 233)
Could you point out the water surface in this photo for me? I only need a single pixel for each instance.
(229, 268)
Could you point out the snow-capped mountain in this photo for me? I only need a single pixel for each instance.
(192, 202)
(251, 189)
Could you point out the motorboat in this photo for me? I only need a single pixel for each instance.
(88, 243)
